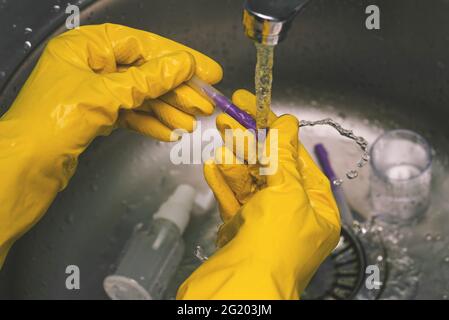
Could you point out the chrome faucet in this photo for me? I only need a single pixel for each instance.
(267, 21)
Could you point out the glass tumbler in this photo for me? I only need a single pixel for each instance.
(401, 176)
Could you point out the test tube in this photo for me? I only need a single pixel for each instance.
(221, 101)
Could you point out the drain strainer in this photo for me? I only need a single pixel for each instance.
(342, 275)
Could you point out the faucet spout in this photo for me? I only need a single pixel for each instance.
(267, 21)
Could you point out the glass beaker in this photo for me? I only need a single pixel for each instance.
(401, 176)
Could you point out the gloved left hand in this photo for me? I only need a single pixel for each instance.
(87, 82)
(273, 239)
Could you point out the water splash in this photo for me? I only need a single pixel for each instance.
(337, 182)
(199, 253)
(352, 174)
(366, 157)
(361, 142)
(404, 273)
(358, 228)
(27, 45)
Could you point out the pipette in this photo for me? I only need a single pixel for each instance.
(221, 101)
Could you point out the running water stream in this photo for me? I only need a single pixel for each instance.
(263, 81)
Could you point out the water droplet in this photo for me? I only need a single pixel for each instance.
(56, 8)
(429, 237)
(446, 259)
(199, 253)
(14, 26)
(337, 182)
(28, 30)
(352, 174)
(438, 237)
(380, 258)
(366, 156)
(2, 74)
(27, 46)
(356, 226)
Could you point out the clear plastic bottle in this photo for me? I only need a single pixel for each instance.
(152, 256)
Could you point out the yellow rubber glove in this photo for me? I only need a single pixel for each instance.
(87, 82)
(272, 240)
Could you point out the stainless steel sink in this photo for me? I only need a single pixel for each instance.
(329, 66)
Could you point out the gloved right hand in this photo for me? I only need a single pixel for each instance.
(87, 82)
(272, 240)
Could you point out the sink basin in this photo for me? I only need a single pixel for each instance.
(330, 65)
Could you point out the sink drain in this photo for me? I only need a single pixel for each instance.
(342, 274)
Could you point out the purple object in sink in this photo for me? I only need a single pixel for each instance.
(231, 109)
(222, 102)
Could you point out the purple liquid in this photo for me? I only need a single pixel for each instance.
(231, 109)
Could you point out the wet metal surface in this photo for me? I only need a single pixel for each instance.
(329, 66)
